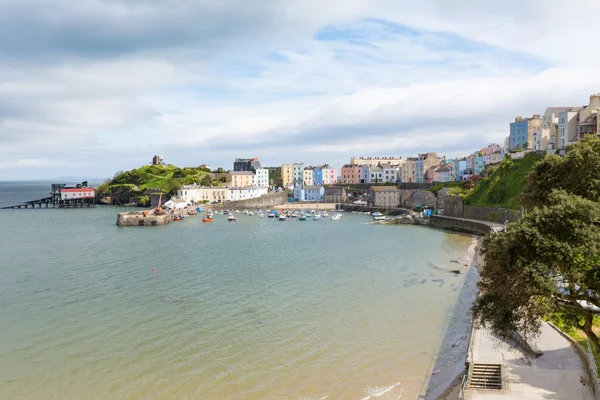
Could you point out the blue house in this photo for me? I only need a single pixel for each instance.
(309, 193)
(317, 177)
(519, 134)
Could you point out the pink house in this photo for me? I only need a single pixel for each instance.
(350, 174)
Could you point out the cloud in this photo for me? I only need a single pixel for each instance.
(102, 85)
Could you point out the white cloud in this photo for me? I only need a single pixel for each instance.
(207, 81)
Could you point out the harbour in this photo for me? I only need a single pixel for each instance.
(254, 309)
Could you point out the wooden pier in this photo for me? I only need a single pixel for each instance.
(56, 200)
(50, 202)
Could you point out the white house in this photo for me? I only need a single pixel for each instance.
(199, 194)
(297, 172)
(376, 174)
(261, 177)
(567, 127)
(329, 175)
(237, 194)
(391, 173)
(307, 177)
(176, 203)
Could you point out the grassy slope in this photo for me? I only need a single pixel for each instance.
(158, 177)
(504, 186)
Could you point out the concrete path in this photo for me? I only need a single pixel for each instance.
(555, 375)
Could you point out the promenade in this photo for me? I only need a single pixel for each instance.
(557, 374)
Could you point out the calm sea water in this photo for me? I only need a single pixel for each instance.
(257, 309)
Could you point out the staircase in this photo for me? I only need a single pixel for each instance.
(486, 377)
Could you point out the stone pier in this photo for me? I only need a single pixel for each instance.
(139, 218)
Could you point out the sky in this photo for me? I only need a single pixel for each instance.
(91, 87)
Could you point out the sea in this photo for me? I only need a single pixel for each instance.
(253, 309)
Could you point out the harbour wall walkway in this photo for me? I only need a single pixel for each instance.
(464, 224)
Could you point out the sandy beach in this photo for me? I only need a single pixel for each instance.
(452, 390)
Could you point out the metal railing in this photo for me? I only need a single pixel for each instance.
(593, 367)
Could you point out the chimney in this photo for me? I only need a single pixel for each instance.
(595, 100)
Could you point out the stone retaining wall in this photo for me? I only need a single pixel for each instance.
(267, 201)
(455, 207)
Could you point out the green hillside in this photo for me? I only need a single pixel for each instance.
(504, 186)
(130, 186)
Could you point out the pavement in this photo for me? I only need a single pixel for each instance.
(556, 375)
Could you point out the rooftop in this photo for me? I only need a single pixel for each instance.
(384, 188)
(242, 173)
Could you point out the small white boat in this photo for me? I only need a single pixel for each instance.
(231, 218)
(325, 214)
(237, 211)
(250, 213)
(246, 212)
(282, 217)
(316, 217)
(335, 217)
(379, 218)
(295, 215)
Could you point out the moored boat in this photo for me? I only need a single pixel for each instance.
(231, 218)
(282, 217)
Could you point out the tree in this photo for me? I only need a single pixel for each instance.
(173, 185)
(578, 172)
(206, 180)
(546, 262)
(549, 260)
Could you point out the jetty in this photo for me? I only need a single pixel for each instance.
(62, 196)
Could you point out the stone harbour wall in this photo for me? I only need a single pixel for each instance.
(137, 218)
(461, 225)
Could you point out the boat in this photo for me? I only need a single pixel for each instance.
(207, 219)
(261, 215)
(377, 216)
(237, 211)
(231, 218)
(226, 212)
(246, 212)
(250, 213)
(336, 216)
(325, 214)
(302, 217)
(271, 214)
(294, 215)
(178, 218)
(316, 217)
(282, 217)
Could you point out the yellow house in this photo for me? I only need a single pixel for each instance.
(241, 178)
(287, 174)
